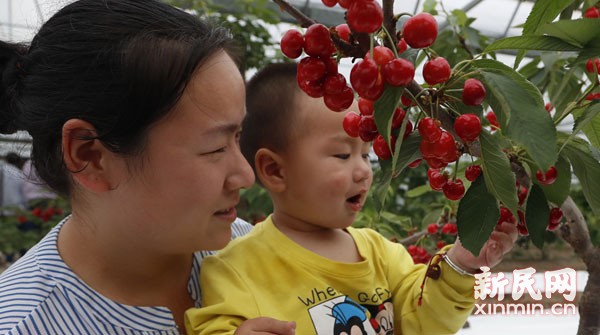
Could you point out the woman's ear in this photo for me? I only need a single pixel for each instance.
(269, 170)
(85, 156)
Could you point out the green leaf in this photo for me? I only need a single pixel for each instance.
(587, 170)
(546, 43)
(520, 110)
(384, 110)
(543, 11)
(579, 32)
(537, 215)
(429, 7)
(499, 178)
(558, 191)
(418, 191)
(409, 152)
(477, 216)
(589, 121)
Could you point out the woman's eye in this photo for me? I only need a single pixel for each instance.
(216, 151)
(342, 156)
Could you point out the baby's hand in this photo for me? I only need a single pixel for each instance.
(500, 242)
(266, 326)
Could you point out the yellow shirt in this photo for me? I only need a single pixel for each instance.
(266, 274)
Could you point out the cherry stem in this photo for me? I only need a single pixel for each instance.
(391, 40)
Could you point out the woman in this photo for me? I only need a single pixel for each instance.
(135, 109)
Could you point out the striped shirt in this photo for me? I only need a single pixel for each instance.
(39, 294)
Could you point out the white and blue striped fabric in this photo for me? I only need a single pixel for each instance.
(39, 294)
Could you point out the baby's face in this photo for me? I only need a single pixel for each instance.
(328, 173)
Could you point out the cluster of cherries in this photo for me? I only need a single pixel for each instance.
(318, 77)
(419, 254)
(44, 214)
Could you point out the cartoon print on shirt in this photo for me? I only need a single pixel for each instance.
(382, 318)
(343, 316)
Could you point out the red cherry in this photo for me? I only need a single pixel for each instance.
(437, 179)
(373, 92)
(446, 146)
(432, 228)
(440, 244)
(473, 92)
(552, 226)
(343, 31)
(312, 88)
(381, 149)
(364, 74)
(401, 46)
(436, 163)
(522, 192)
(317, 41)
(436, 71)
(367, 129)
(429, 129)
(593, 65)
(548, 177)
(415, 163)
(365, 106)
(506, 216)
(334, 83)
(36, 212)
(381, 55)
(467, 127)
(292, 43)
(593, 96)
(350, 124)
(454, 189)
(21, 219)
(420, 31)
(491, 117)
(407, 101)
(412, 249)
(522, 225)
(592, 13)
(449, 228)
(522, 229)
(311, 69)
(365, 16)
(398, 72)
(472, 172)
(340, 101)
(549, 107)
(329, 3)
(399, 115)
(556, 215)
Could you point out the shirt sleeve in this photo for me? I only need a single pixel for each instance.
(226, 299)
(447, 301)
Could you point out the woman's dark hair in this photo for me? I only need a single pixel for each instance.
(120, 65)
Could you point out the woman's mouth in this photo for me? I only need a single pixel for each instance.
(229, 214)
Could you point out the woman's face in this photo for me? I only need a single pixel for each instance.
(183, 196)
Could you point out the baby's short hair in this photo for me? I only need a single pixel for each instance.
(271, 110)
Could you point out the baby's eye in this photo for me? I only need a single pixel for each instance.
(342, 156)
(365, 156)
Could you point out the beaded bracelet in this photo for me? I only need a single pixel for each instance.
(456, 267)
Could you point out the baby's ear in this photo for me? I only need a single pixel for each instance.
(85, 156)
(269, 170)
